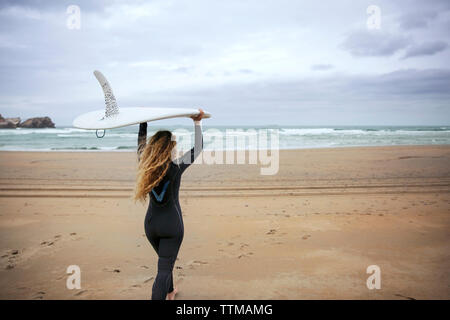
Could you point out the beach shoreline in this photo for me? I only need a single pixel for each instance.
(246, 149)
(308, 232)
(69, 139)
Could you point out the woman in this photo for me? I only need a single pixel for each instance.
(160, 177)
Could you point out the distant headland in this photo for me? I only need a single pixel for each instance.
(38, 122)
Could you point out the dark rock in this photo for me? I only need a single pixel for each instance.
(16, 120)
(8, 123)
(40, 122)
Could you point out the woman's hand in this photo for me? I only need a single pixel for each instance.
(199, 116)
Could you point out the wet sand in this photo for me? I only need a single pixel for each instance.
(308, 232)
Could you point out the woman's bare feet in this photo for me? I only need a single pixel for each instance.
(171, 295)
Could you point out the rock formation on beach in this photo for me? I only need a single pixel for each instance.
(8, 122)
(39, 122)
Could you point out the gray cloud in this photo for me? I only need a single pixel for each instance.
(425, 49)
(417, 20)
(407, 84)
(321, 67)
(60, 5)
(419, 14)
(366, 43)
(231, 57)
(343, 99)
(245, 71)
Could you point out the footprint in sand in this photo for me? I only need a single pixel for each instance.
(149, 279)
(12, 255)
(243, 245)
(80, 293)
(61, 277)
(116, 270)
(51, 242)
(16, 256)
(39, 295)
(196, 263)
(402, 296)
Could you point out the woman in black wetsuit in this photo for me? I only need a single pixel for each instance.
(159, 177)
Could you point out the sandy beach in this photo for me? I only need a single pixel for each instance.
(308, 232)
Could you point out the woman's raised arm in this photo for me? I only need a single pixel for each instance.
(189, 157)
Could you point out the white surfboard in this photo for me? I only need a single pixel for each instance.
(113, 117)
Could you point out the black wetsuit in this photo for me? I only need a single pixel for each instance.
(164, 222)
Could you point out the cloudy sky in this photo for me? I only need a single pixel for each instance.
(247, 62)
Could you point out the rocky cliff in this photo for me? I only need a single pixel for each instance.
(39, 122)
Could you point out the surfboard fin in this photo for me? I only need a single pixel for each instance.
(110, 101)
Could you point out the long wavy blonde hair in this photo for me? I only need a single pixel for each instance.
(153, 164)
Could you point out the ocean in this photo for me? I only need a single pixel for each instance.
(215, 137)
